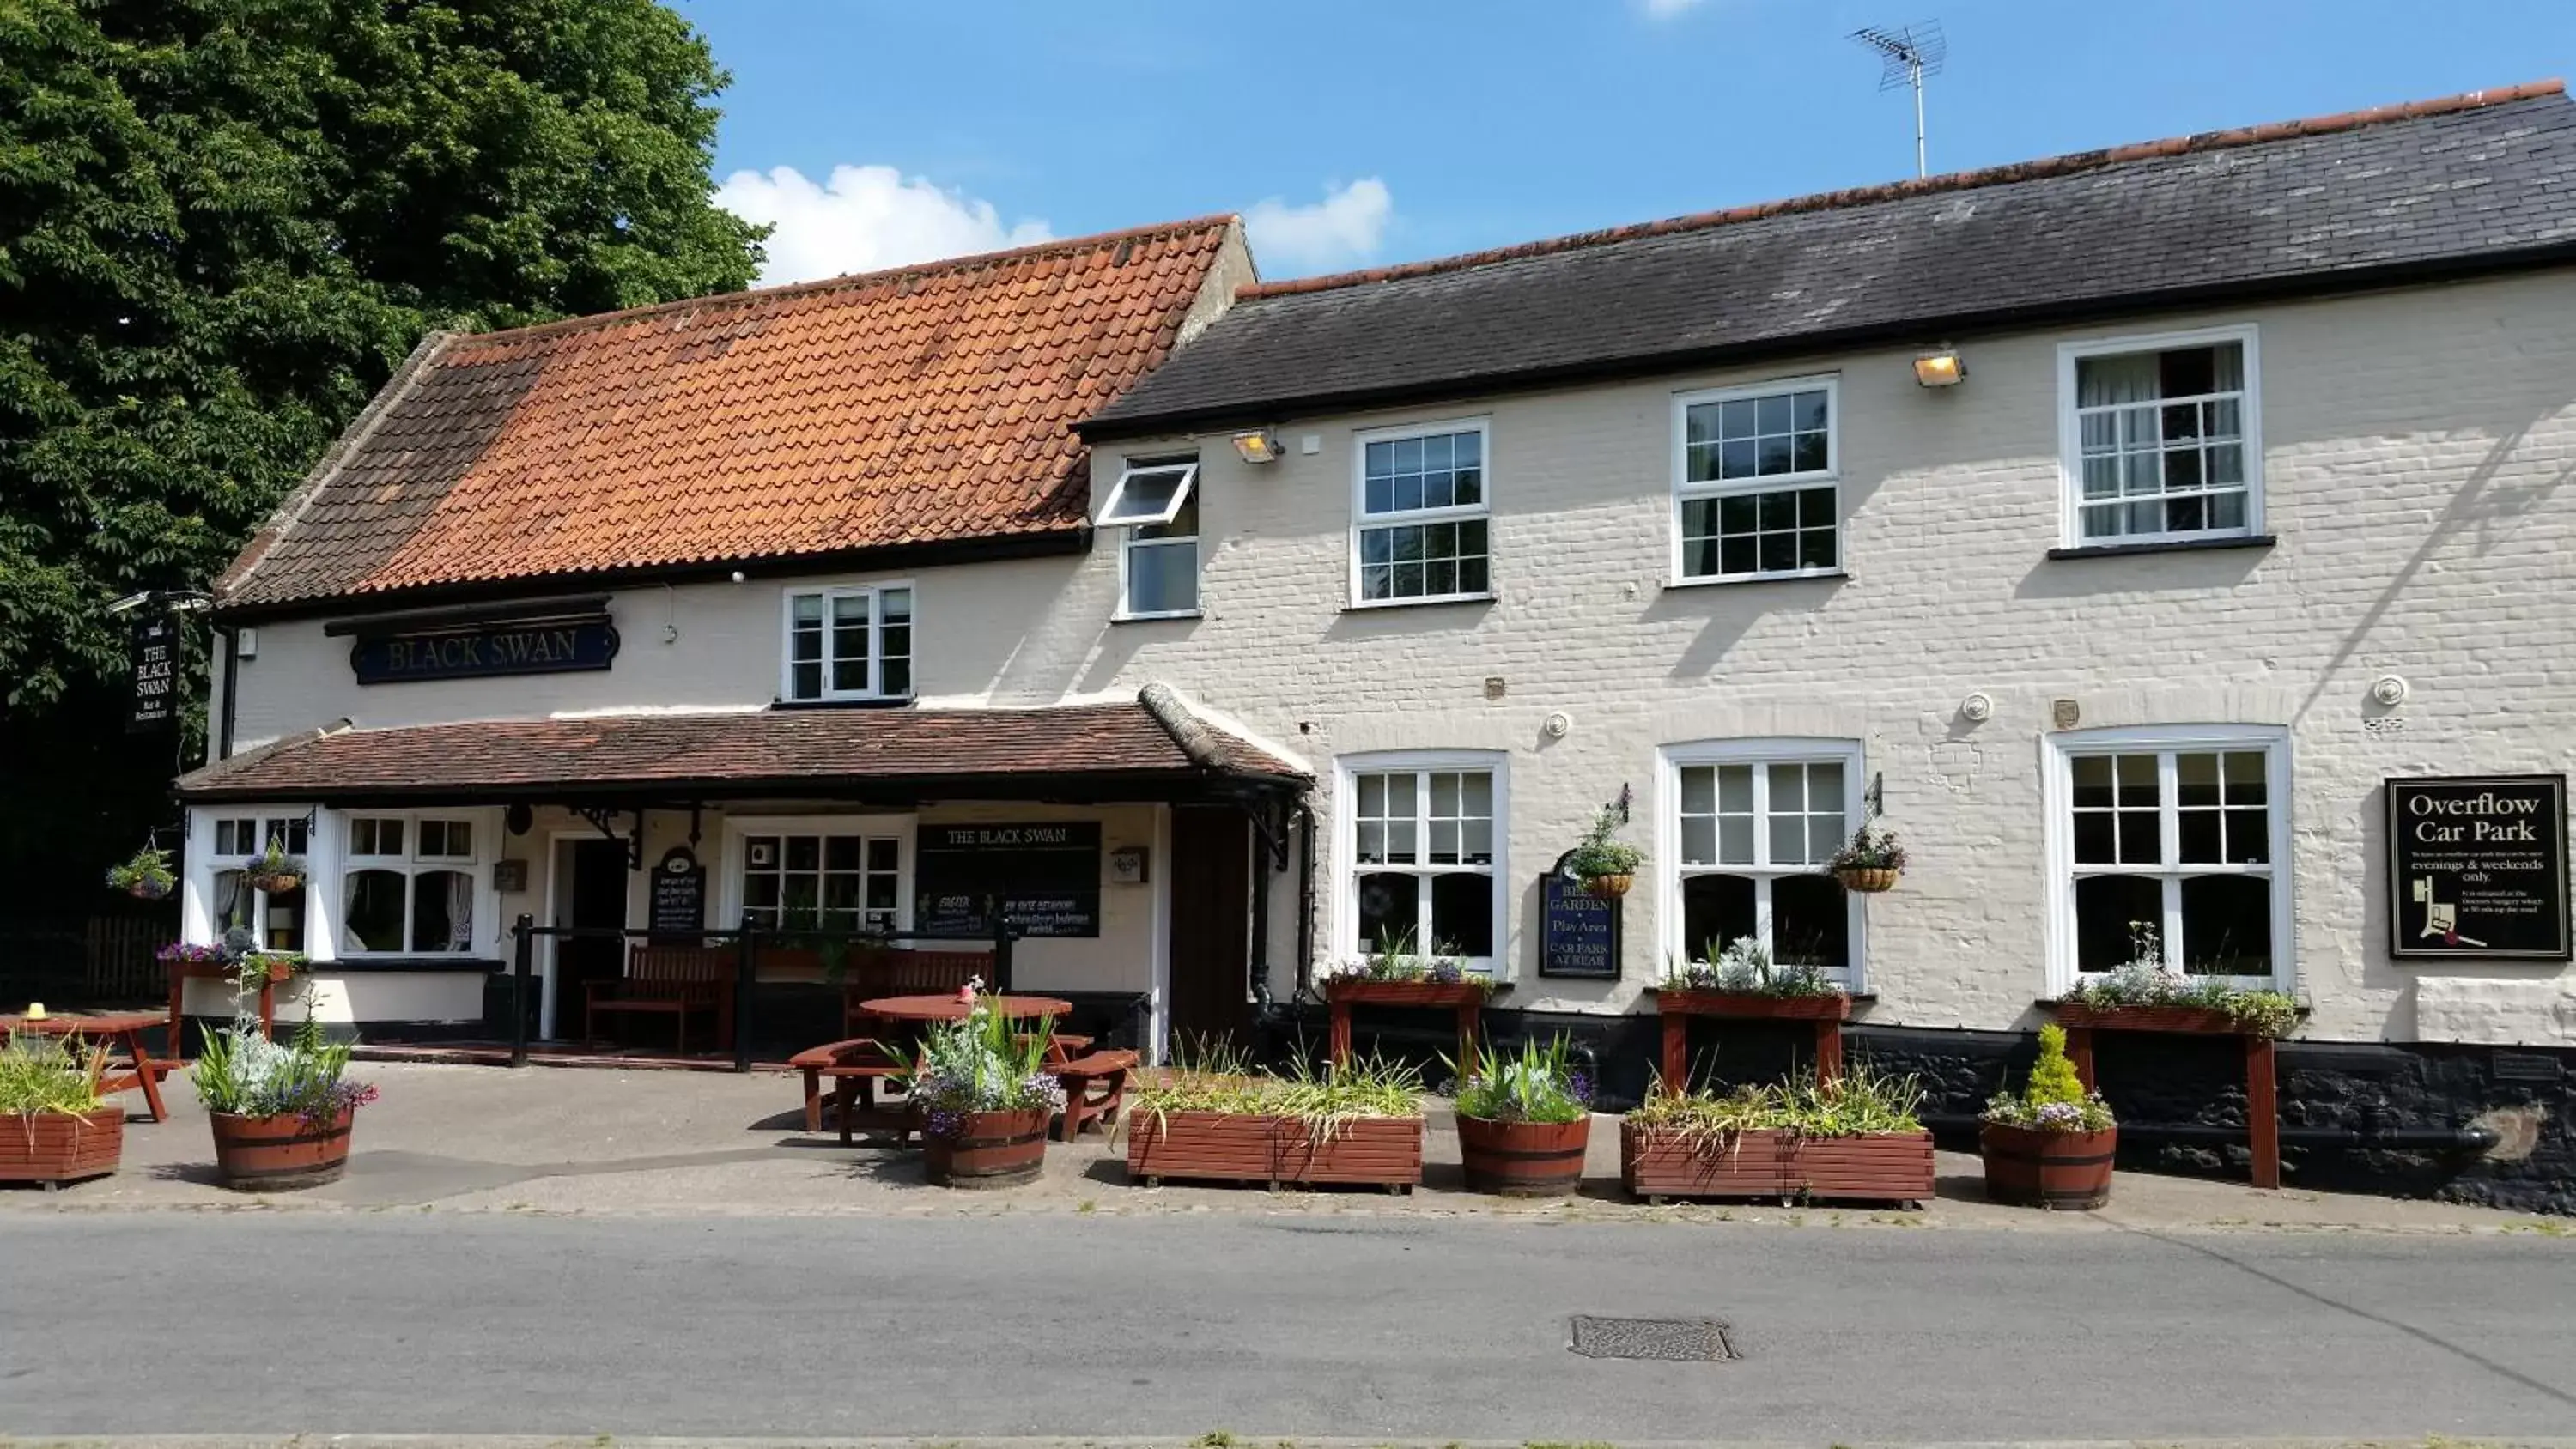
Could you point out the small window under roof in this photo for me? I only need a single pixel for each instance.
(1149, 493)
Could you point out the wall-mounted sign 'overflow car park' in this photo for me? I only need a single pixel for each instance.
(2478, 867)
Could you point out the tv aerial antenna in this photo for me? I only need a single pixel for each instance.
(1911, 52)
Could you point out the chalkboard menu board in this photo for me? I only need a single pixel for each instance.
(1044, 877)
(2478, 867)
(1578, 932)
(679, 895)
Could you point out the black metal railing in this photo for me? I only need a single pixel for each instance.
(747, 942)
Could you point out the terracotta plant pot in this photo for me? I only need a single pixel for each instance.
(1609, 887)
(990, 1149)
(1251, 1147)
(59, 1147)
(1524, 1159)
(280, 1153)
(1868, 880)
(2031, 1168)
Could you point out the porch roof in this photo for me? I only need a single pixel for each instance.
(1150, 748)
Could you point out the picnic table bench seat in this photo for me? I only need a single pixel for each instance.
(1105, 1071)
(854, 1067)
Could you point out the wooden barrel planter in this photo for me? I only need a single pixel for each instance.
(2031, 1168)
(281, 1153)
(58, 1147)
(1524, 1159)
(991, 1149)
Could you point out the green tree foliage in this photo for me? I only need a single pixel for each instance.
(2052, 1077)
(224, 222)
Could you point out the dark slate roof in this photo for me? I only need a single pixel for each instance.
(2441, 187)
(734, 755)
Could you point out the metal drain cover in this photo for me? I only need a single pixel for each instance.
(1672, 1340)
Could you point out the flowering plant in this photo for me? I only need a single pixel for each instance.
(981, 1063)
(1743, 967)
(2055, 1100)
(1536, 1086)
(1599, 853)
(1870, 848)
(182, 951)
(241, 1072)
(1396, 960)
(2142, 980)
(145, 875)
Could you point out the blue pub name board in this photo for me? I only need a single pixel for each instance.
(1578, 932)
(534, 646)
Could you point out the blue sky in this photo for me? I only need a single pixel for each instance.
(1358, 132)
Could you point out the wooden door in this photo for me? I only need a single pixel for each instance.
(597, 899)
(1211, 925)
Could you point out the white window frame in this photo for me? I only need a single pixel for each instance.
(1133, 530)
(903, 829)
(1686, 491)
(2070, 433)
(197, 916)
(874, 593)
(2060, 750)
(1672, 759)
(1347, 948)
(485, 824)
(1362, 520)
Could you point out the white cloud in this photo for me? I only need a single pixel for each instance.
(863, 218)
(1345, 227)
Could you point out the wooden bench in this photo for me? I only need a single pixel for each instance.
(855, 1068)
(673, 981)
(907, 973)
(1106, 1070)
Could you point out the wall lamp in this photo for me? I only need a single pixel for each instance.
(1940, 367)
(1261, 446)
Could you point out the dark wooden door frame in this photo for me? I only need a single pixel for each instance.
(1210, 941)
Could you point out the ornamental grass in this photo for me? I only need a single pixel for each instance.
(43, 1074)
(1216, 1077)
(1859, 1102)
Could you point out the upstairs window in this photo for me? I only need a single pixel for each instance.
(848, 644)
(409, 887)
(1158, 559)
(1423, 509)
(1755, 497)
(2161, 439)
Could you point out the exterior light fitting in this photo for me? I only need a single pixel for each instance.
(1940, 367)
(1260, 446)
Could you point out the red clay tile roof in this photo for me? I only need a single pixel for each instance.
(794, 751)
(931, 404)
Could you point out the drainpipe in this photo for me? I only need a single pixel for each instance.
(1305, 903)
(1260, 966)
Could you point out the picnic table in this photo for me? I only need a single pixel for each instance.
(921, 1009)
(122, 1030)
(856, 1066)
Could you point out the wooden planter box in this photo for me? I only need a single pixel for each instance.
(2199, 1020)
(1876, 1167)
(1836, 1007)
(60, 1147)
(1237, 1147)
(1451, 994)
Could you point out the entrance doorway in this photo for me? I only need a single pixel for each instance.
(1211, 925)
(590, 891)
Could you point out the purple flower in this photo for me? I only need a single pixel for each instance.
(1579, 1087)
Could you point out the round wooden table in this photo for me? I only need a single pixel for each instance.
(949, 1008)
(121, 1029)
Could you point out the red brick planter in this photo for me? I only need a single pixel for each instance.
(1242, 1147)
(281, 1153)
(1878, 1166)
(60, 1147)
(1524, 1159)
(991, 1149)
(2031, 1168)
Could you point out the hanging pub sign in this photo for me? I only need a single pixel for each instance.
(1043, 877)
(156, 675)
(1578, 932)
(527, 646)
(2478, 867)
(678, 902)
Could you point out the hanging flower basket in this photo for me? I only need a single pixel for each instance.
(1608, 887)
(278, 883)
(1868, 880)
(146, 875)
(1869, 862)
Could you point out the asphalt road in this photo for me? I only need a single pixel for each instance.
(1265, 1325)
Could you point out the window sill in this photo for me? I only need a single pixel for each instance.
(1782, 578)
(411, 963)
(1364, 605)
(893, 702)
(2178, 545)
(1183, 614)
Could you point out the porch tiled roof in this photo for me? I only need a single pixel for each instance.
(730, 754)
(926, 405)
